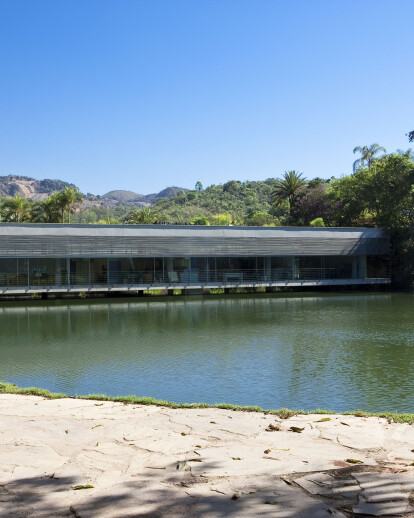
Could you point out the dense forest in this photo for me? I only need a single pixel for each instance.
(379, 193)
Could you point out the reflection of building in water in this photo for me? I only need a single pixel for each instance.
(69, 258)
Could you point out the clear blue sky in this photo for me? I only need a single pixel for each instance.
(140, 95)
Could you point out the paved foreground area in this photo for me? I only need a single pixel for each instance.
(155, 461)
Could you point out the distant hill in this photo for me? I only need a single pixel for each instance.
(170, 192)
(27, 187)
(123, 196)
(241, 199)
(133, 198)
(33, 189)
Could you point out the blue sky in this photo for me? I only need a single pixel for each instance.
(140, 95)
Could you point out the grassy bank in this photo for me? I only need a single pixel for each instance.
(284, 413)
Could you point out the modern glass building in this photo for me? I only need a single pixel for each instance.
(57, 258)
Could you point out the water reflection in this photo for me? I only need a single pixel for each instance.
(338, 352)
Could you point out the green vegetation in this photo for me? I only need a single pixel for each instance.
(284, 413)
(141, 217)
(317, 222)
(230, 204)
(15, 209)
(379, 193)
(200, 220)
(367, 155)
(101, 215)
(56, 208)
(154, 292)
(288, 188)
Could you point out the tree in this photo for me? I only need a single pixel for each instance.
(387, 189)
(15, 209)
(381, 195)
(200, 220)
(287, 188)
(192, 195)
(408, 153)
(68, 201)
(222, 219)
(198, 186)
(411, 136)
(312, 203)
(45, 211)
(232, 187)
(368, 155)
(259, 218)
(143, 216)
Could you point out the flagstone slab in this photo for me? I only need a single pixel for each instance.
(398, 508)
(158, 461)
(325, 485)
(384, 493)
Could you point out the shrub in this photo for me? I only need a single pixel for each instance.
(317, 222)
(200, 220)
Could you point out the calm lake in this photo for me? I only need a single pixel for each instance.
(340, 352)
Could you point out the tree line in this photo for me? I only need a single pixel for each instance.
(56, 208)
(378, 193)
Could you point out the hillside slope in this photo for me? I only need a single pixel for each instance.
(30, 188)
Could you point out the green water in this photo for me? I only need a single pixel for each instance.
(339, 352)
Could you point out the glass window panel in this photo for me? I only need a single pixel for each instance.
(79, 271)
(47, 272)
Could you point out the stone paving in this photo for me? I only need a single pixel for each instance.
(147, 461)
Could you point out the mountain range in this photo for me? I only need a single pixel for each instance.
(33, 189)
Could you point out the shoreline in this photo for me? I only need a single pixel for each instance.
(98, 458)
(284, 413)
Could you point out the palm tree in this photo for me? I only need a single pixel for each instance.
(45, 211)
(68, 200)
(15, 209)
(143, 216)
(368, 155)
(287, 188)
(408, 154)
(75, 199)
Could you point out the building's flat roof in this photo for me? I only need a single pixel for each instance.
(69, 230)
(54, 240)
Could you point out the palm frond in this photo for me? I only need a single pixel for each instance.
(356, 164)
(358, 149)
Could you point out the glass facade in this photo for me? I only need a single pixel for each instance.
(39, 272)
(14, 272)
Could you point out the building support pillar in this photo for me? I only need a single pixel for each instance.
(293, 267)
(355, 267)
(68, 271)
(58, 272)
(268, 268)
(362, 266)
